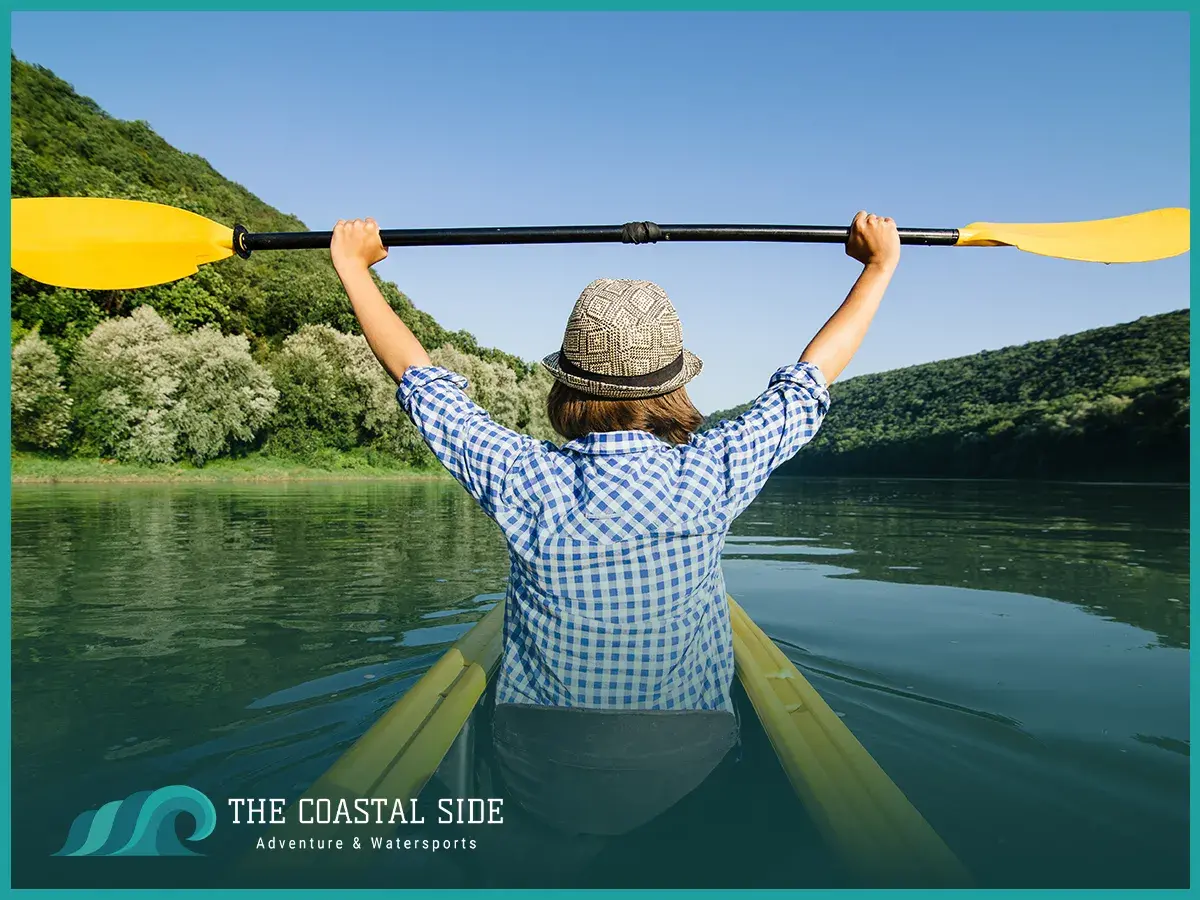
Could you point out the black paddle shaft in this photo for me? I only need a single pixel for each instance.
(244, 242)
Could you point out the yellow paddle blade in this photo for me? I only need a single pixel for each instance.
(94, 243)
(1147, 236)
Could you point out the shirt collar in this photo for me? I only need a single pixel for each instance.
(612, 443)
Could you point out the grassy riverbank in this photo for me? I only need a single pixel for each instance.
(32, 468)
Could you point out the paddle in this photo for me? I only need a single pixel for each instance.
(102, 244)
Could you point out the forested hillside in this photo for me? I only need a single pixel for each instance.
(273, 336)
(1109, 403)
(264, 356)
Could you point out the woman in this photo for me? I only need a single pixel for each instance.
(618, 649)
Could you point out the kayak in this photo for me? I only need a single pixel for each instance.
(859, 813)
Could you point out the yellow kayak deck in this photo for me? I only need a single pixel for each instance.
(860, 812)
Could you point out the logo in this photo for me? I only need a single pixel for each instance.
(142, 824)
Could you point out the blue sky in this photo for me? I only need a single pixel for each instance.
(457, 119)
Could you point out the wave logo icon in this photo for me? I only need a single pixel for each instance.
(142, 824)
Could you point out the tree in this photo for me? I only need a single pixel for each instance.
(41, 408)
(145, 393)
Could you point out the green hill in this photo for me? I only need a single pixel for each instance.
(1111, 403)
(1108, 403)
(247, 359)
(65, 145)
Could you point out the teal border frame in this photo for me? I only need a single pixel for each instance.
(6, 528)
(592, 6)
(501, 6)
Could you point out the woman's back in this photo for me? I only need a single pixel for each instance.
(616, 597)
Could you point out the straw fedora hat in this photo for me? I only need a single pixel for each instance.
(623, 341)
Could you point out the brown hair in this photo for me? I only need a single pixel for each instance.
(670, 417)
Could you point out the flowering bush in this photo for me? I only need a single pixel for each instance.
(123, 379)
(145, 393)
(224, 398)
(142, 392)
(492, 385)
(334, 394)
(519, 405)
(41, 408)
(534, 418)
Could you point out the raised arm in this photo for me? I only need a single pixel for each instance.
(477, 451)
(875, 243)
(355, 248)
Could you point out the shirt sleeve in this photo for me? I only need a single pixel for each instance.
(474, 448)
(784, 418)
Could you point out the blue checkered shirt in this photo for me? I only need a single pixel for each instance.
(616, 597)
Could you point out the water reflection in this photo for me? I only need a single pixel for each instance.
(1119, 551)
(1014, 656)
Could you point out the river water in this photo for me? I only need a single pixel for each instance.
(1015, 656)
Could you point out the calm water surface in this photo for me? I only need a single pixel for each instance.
(1015, 656)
